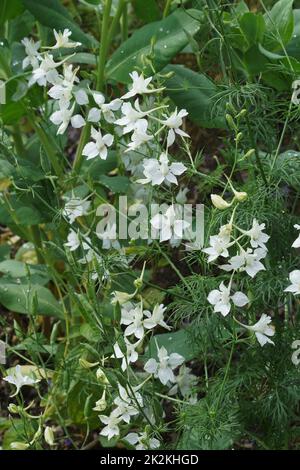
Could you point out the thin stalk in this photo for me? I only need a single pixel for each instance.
(51, 154)
(82, 141)
(124, 24)
(114, 24)
(37, 240)
(103, 46)
(99, 83)
(167, 8)
(17, 136)
(258, 160)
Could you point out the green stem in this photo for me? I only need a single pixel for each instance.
(167, 8)
(17, 136)
(51, 154)
(37, 240)
(258, 160)
(83, 139)
(124, 24)
(103, 46)
(114, 24)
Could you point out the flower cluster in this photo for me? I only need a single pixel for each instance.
(250, 246)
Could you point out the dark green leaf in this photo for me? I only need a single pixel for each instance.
(53, 14)
(196, 93)
(162, 40)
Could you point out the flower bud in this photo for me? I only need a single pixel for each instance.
(240, 195)
(14, 409)
(219, 202)
(86, 364)
(49, 436)
(249, 153)
(101, 404)
(230, 122)
(19, 445)
(121, 297)
(239, 137)
(101, 377)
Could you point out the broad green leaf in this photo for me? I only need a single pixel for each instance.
(178, 342)
(253, 27)
(279, 25)
(53, 14)
(147, 11)
(36, 274)
(116, 184)
(10, 9)
(97, 167)
(162, 40)
(293, 47)
(20, 298)
(196, 93)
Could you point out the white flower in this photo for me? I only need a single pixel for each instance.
(294, 287)
(19, 380)
(81, 96)
(169, 225)
(112, 425)
(139, 86)
(158, 171)
(74, 241)
(99, 147)
(130, 116)
(139, 136)
(134, 319)
(32, 51)
(130, 356)
(142, 441)
(221, 299)
(76, 207)
(184, 382)
(77, 121)
(256, 234)
(263, 329)
(45, 72)
(126, 405)
(219, 244)
(156, 318)
(62, 118)
(174, 122)
(62, 90)
(62, 39)
(248, 261)
(296, 243)
(106, 108)
(163, 368)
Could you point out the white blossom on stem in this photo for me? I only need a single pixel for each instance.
(221, 299)
(262, 329)
(139, 86)
(163, 368)
(99, 147)
(17, 379)
(158, 171)
(174, 122)
(294, 287)
(32, 53)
